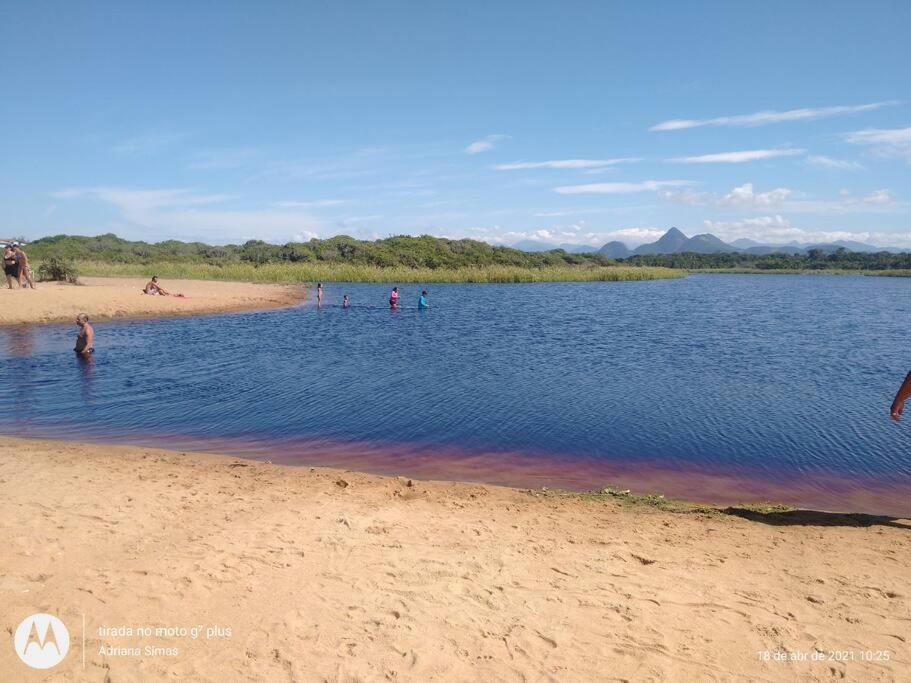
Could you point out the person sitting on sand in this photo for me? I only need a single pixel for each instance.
(345, 302)
(25, 272)
(394, 298)
(422, 301)
(10, 265)
(154, 288)
(86, 337)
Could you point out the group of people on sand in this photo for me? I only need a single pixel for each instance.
(16, 267)
(393, 298)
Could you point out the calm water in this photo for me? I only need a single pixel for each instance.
(704, 385)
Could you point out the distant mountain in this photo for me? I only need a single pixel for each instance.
(533, 245)
(615, 250)
(537, 246)
(745, 243)
(671, 242)
(764, 249)
(706, 244)
(675, 242)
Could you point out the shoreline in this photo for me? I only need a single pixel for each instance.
(698, 485)
(314, 573)
(120, 299)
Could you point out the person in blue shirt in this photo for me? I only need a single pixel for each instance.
(422, 302)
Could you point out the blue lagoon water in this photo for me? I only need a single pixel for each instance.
(710, 386)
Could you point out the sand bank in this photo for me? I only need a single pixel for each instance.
(300, 574)
(115, 298)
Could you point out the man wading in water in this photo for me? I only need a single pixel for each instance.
(86, 337)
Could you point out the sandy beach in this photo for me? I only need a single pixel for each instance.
(120, 298)
(300, 574)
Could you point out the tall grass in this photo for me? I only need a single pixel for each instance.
(316, 272)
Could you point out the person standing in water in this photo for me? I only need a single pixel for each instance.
(319, 294)
(86, 337)
(394, 298)
(345, 302)
(422, 301)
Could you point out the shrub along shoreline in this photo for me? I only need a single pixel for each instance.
(402, 259)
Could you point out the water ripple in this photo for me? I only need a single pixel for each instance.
(786, 377)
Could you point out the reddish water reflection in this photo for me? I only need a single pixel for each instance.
(831, 493)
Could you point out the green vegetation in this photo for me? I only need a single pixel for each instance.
(656, 501)
(328, 272)
(340, 259)
(58, 270)
(816, 260)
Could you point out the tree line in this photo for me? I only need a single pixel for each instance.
(400, 251)
(814, 259)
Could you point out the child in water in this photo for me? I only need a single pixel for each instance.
(345, 302)
(422, 302)
(394, 298)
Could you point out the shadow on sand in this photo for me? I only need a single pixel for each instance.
(815, 518)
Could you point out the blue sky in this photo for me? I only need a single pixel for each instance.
(575, 122)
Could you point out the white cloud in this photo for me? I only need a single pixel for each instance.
(621, 188)
(184, 214)
(634, 236)
(485, 144)
(313, 204)
(362, 219)
(887, 142)
(762, 118)
(148, 143)
(271, 226)
(578, 233)
(738, 157)
(688, 197)
(879, 197)
(565, 163)
(141, 200)
(828, 162)
(779, 230)
(221, 159)
(745, 196)
(786, 199)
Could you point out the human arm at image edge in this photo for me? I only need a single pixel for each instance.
(904, 392)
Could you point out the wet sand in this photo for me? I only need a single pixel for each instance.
(122, 298)
(325, 574)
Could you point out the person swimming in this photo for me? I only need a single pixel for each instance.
(422, 301)
(345, 302)
(394, 298)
